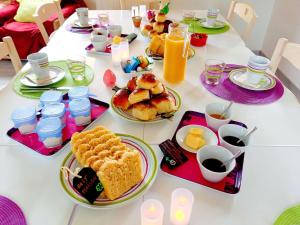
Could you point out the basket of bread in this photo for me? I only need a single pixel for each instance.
(145, 99)
(124, 166)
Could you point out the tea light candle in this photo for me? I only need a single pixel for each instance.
(152, 212)
(181, 206)
(124, 48)
(116, 55)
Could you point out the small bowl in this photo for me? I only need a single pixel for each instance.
(209, 136)
(215, 152)
(216, 108)
(236, 131)
(198, 39)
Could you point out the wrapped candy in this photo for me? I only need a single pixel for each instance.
(109, 78)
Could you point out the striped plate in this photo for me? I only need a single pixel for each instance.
(149, 164)
(125, 114)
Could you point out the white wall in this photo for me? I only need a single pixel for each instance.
(285, 22)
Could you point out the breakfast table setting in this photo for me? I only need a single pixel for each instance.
(206, 110)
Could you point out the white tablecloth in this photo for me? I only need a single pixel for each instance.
(271, 174)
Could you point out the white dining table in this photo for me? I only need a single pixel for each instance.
(270, 180)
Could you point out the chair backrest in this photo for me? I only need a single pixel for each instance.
(246, 13)
(7, 48)
(288, 50)
(44, 12)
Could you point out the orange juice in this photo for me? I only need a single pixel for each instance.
(174, 56)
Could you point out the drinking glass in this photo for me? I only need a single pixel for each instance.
(213, 71)
(103, 19)
(76, 66)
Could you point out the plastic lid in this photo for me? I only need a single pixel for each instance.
(80, 104)
(54, 109)
(49, 125)
(23, 113)
(51, 96)
(78, 92)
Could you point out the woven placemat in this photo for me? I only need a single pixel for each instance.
(290, 216)
(66, 82)
(10, 212)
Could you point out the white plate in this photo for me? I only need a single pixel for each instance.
(209, 136)
(219, 24)
(149, 168)
(55, 71)
(262, 82)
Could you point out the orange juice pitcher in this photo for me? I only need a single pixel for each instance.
(176, 52)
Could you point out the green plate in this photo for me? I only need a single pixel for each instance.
(67, 81)
(125, 114)
(261, 82)
(219, 24)
(290, 216)
(150, 168)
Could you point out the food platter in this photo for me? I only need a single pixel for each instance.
(126, 114)
(149, 171)
(160, 58)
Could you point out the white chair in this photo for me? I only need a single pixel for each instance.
(7, 48)
(288, 50)
(246, 13)
(44, 12)
(127, 4)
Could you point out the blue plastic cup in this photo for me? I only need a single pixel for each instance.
(24, 119)
(50, 97)
(55, 110)
(80, 110)
(49, 131)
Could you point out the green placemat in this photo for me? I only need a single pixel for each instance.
(195, 27)
(66, 82)
(290, 216)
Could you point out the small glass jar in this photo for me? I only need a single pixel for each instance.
(78, 92)
(50, 97)
(55, 110)
(49, 131)
(25, 119)
(80, 110)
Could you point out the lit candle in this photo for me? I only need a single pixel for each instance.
(181, 206)
(124, 48)
(152, 212)
(116, 55)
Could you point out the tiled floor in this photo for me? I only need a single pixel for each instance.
(7, 72)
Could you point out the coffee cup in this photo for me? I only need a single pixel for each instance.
(257, 65)
(39, 64)
(83, 16)
(115, 30)
(99, 32)
(229, 134)
(99, 42)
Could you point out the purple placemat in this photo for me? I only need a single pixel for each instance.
(80, 30)
(231, 92)
(10, 213)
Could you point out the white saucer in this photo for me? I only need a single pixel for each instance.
(91, 22)
(218, 24)
(209, 136)
(254, 82)
(56, 73)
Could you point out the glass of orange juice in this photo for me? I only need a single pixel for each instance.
(176, 53)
